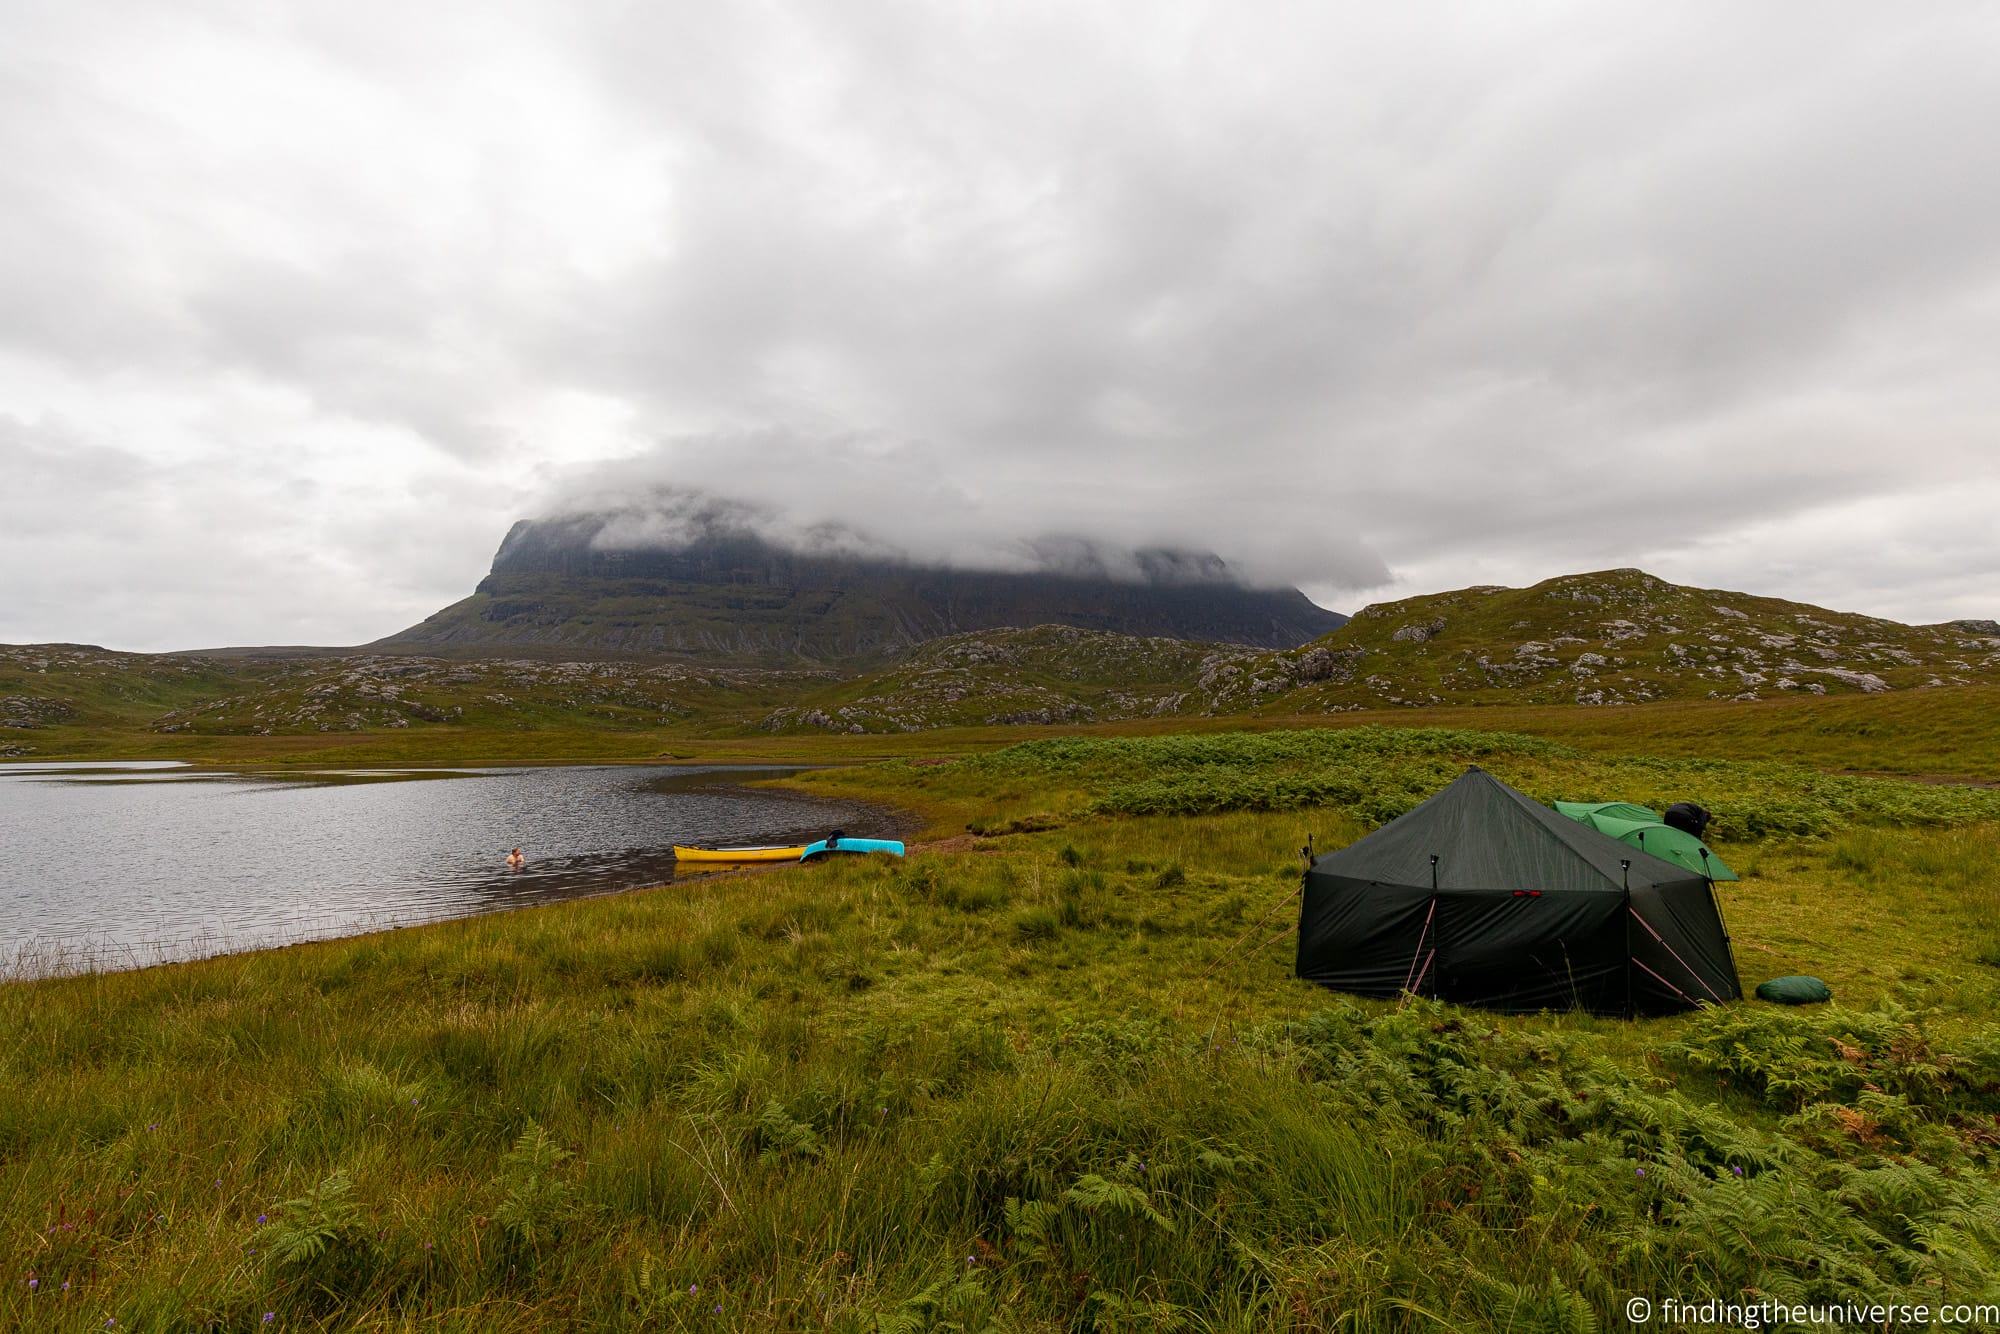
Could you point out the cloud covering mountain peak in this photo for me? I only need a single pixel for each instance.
(299, 308)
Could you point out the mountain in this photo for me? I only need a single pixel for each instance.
(1612, 637)
(575, 586)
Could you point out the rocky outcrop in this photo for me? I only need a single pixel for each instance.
(1419, 631)
(29, 711)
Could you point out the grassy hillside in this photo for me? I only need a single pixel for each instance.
(1933, 733)
(1604, 639)
(63, 689)
(1616, 637)
(1047, 674)
(1720, 673)
(1055, 1079)
(371, 693)
(72, 699)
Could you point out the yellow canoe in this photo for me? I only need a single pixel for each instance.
(790, 854)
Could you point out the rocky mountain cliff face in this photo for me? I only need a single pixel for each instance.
(557, 587)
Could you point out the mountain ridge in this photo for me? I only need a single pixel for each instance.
(555, 586)
(1604, 638)
(1623, 636)
(1607, 637)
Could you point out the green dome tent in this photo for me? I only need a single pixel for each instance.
(1643, 829)
(1485, 896)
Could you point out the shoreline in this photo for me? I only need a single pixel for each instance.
(38, 959)
(9, 977)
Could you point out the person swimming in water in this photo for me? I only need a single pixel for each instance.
(515, 861)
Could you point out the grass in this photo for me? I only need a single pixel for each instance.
(1375, 774)
(1620, 637)
(1945, 733)
(1051, 1079)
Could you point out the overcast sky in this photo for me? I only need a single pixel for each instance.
(301, 305)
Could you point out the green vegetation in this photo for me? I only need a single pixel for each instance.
(71, 701)
(1044, 674)
(1936, 732)
(88, 704)
(59, 690)
(1715, 674)
(1619, 637)
(1058, 1078)
(1609, 638)
(1375, 773)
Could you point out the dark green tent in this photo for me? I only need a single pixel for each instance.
(1642, 828)
(1487, 897)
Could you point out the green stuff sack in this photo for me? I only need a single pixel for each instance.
(1795, 991)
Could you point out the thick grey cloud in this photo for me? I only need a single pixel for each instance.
(300, 306)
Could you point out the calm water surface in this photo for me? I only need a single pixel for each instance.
(110, 864)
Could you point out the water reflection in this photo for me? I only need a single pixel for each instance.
(130, 862)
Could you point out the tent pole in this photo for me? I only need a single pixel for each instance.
(1662, 941)
(1430, 915)
(1412, 977)
(1434, 908)
(1715, 897)
(1692, 1002)
(1625, 864)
